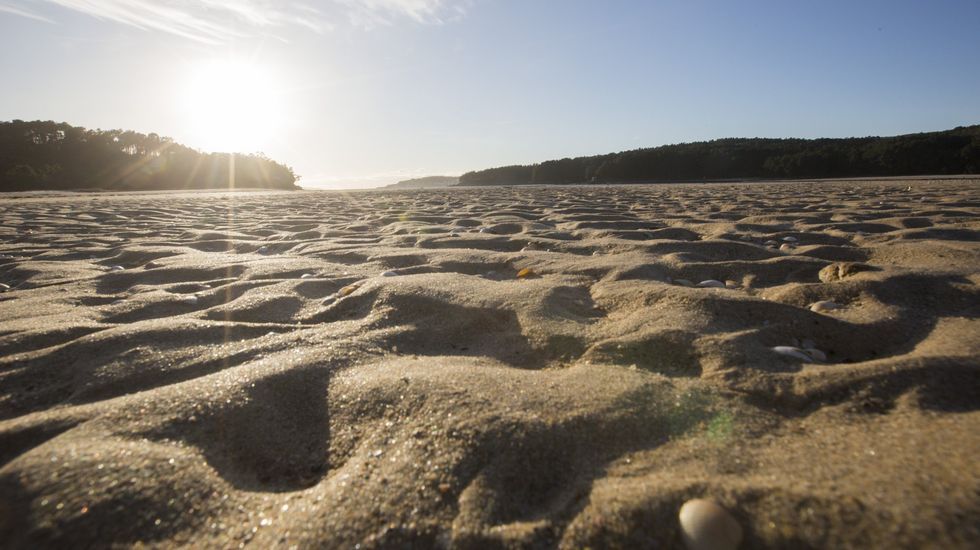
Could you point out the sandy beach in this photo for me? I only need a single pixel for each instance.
(492, 367)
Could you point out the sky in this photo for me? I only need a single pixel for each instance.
(362, 93)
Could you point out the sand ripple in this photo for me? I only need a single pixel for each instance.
(492, 367)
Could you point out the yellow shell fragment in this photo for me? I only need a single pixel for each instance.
(525, 273)
(349, 289)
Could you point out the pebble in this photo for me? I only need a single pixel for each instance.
(389, 274)
(786, 247)
(707, 526)
(824, 306)
(711, 283)
(189, 299)
(790, 239)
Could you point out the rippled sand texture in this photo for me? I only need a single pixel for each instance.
(326, 369)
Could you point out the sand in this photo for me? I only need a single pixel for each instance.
(323, 369)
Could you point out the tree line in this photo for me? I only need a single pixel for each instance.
(57, 156)
(955, 151)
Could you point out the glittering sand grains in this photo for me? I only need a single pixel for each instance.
(545, 370)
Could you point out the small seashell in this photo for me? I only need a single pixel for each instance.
(786, 247)
(707, 526)
(116, 268)
(307, 276)
(526, 273)
(683, 282)
(711, 283)
(824, 306)
(790, 351)
(4, 287)
(388, 274)
(189, 299)
(789, 239)
(349, 289)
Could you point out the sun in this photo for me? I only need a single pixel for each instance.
(232, 106)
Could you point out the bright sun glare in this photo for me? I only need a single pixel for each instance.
(232, 106)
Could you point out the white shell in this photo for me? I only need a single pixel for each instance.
(711, 283)
(4, 288)
(790, 239)
(307, 276)
(189, 299)
(707, 526)
(116, 268)
(796, 353)
(824, 305)
(388, 274)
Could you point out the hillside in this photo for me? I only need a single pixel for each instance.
(45, 155)
(428, 181)
(954, 151)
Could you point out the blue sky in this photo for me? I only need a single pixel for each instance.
(365, 92)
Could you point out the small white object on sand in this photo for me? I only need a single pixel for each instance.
(707, 526)
(824, 306)
(711, 283)
(796, 353)
(789, 239)
(4, 288)
(389, 274)
(307, 276)
(116, 268)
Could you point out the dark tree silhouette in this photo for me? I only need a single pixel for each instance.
(954, 151)
(50, 155)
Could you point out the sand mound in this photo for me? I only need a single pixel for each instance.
(519, 367)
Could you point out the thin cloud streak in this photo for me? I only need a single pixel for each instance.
(23, 12)
(220, 21)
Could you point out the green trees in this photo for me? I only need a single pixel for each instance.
(50, 155)
(954, 151)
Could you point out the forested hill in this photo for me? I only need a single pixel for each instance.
(56, 156)
(954, 151)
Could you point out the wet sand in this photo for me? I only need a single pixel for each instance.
(490, 367)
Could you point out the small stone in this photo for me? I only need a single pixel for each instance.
(711, 283)
(786, 247)
(790, 239)
(817, 355)
(824, 306)
(707, 526)
(189, 299)
(389, 274)
(796, 353)
(307, 276)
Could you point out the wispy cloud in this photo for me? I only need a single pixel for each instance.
(218, 21)
(23, 12)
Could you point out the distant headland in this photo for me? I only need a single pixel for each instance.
(955, 151)
(46, 155)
